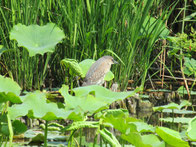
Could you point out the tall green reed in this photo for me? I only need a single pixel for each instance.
(92, 29)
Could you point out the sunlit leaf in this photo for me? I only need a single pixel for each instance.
(191, 132)
(2, 49)
(85, 65)
(87, 103)
(171, 137)
(119, 120)
(143, 127)
(37, 39)
(138, 140)
(102, 93)
(9, 90)
(73, 66)
(35, 106)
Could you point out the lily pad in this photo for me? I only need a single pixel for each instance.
(172, 106)
(37, 39)
(183, 120)
(35, 106)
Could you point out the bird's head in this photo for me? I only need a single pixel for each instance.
(110, 60)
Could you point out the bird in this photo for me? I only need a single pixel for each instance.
(98, 70)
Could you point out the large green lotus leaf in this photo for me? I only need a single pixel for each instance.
(191, 132)
(138, 140)
(9, 90)
(103, 93)
(35, 106)
(73, 66)
(87, 103)
(171, 137)
(143, 127)
(119, 119)
(87, 63)
(37, 39)
(152, 140)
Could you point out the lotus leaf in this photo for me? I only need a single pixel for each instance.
(35, 106)
(191, 132)
(37, 39)
(171, 137)
(9, 90)
(137, 139)
(172, 106)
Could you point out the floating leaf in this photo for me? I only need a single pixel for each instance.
(172, 106)
(171, 137)
(178, 111)
(37, 39)
(9, 90)
(191, 132)
(183, 120)
(182, 90)
(35, 106)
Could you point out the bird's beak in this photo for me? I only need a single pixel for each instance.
(115, 62)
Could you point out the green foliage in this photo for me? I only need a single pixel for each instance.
(172, 106)
(92, 98)
(183, 120)
(171, 137)
(109, 137)
(191, 132)
(37, 39)
(81, 124)
(190, 66)
(9, 86)
(35, 106)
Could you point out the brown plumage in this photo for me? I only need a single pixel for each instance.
(97, 72)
